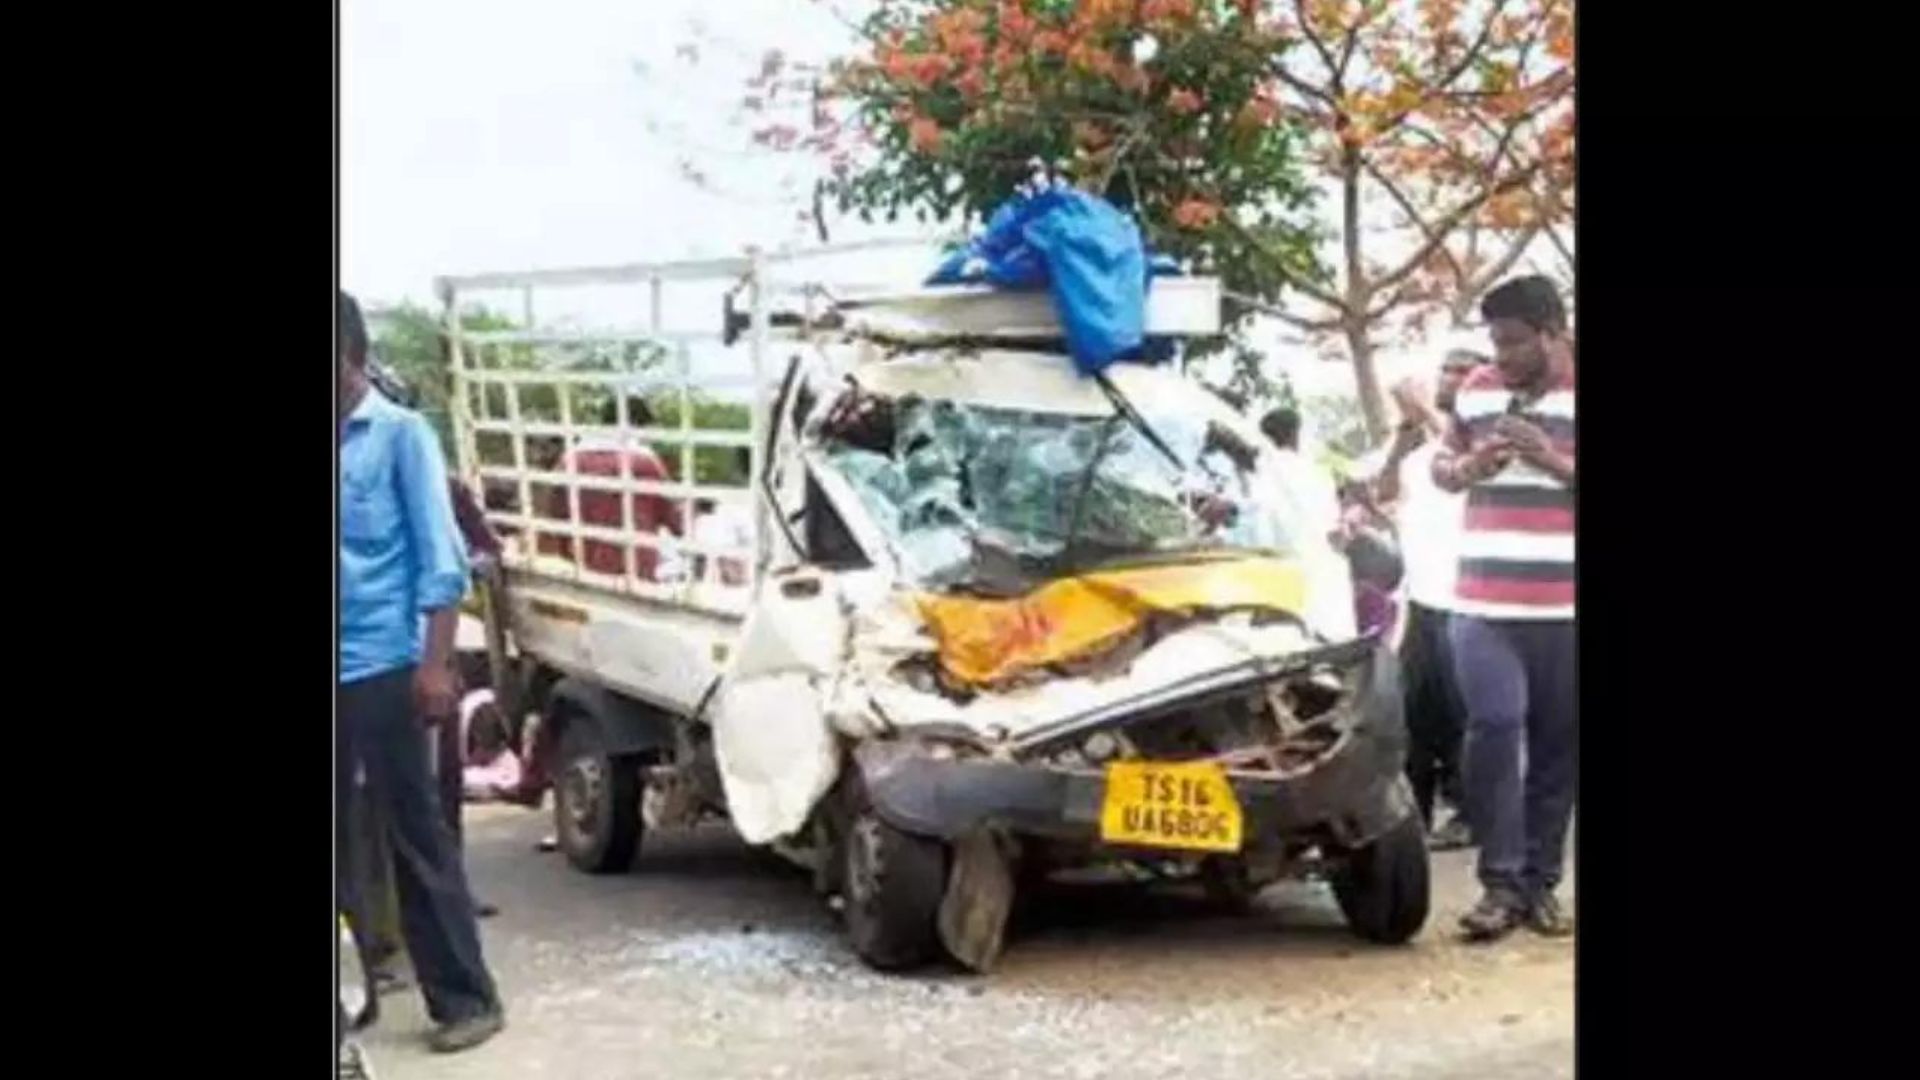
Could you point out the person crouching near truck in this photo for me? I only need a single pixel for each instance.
(402, 573)
(1511, 449)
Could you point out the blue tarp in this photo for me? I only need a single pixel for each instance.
(1085, 251)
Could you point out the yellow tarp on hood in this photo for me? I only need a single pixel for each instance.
(984, 642)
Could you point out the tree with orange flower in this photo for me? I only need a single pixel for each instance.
(1457, 115)
(1168, 108)
(1436, 134)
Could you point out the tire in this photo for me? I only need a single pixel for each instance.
(596, 801)
(1384, 888)
(893, 885)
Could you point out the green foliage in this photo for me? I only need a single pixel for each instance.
(408, 340)
(723, 465)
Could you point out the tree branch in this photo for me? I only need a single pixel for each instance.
(1333, 70)
(1560, 245)
(1502, 266)
(1304, 86)
(1445, 226)
(1439, 87)
(1413, 214)
(1316, 326)
(1314, 292)
(1353, 39)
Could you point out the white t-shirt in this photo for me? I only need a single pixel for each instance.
(1430, 524)
(1310, 488)
(1315, 501)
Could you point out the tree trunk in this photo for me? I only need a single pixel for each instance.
(1373, 405)
(1359, 294)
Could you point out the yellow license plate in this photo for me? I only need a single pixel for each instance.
(1185, 805)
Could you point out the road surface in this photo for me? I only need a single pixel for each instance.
(711, 960)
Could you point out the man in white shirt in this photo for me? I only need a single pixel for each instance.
(1429, 521)
(1315, 500)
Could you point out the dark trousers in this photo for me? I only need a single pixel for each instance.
(378, 729)
(1435, 714)
(379, 935)
(448, 754)
(1516, 677)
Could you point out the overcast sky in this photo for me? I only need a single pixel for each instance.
(512, 134)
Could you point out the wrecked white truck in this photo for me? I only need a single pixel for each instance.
(978, 617)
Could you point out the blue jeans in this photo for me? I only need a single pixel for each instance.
(1521, 756)
(378, 728)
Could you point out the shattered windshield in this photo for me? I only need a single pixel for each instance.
(998, 499)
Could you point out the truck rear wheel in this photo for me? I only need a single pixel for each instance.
(596, 801)
(893, 883)
(1384, 888)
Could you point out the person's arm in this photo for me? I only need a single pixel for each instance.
(1407, 438)
(474, 529)
(1458, 465)
(440, 565)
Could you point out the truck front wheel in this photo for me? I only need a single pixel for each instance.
(596, 801)
(1384, 888)
(892, 884)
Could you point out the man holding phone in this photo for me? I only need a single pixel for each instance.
(1511, 448)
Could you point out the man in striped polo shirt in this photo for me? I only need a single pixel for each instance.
(1511, 449)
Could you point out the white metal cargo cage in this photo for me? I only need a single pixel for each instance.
(600, 503)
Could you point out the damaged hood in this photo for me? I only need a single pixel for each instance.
(986, 644)
(895, 641)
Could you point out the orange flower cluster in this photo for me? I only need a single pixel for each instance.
(925, 135)
(1051, 43)
(1165, 14)
(1510, 210)
(1196, 214)
(1092, 59)
(959, 33)
(924, 70)
(1015, 23)
(1102, 14)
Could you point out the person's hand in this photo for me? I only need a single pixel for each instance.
(1407, 438)
(1525, 437)
(1353, 518)
(1486, 458)
(436, 693)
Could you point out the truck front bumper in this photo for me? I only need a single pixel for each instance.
(1352, 794)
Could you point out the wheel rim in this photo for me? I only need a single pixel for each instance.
(581, 789)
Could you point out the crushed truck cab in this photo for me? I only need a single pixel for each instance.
(1002, 620)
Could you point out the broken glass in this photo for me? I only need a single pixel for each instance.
(991, 497)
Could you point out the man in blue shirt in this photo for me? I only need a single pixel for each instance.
(403, 571)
